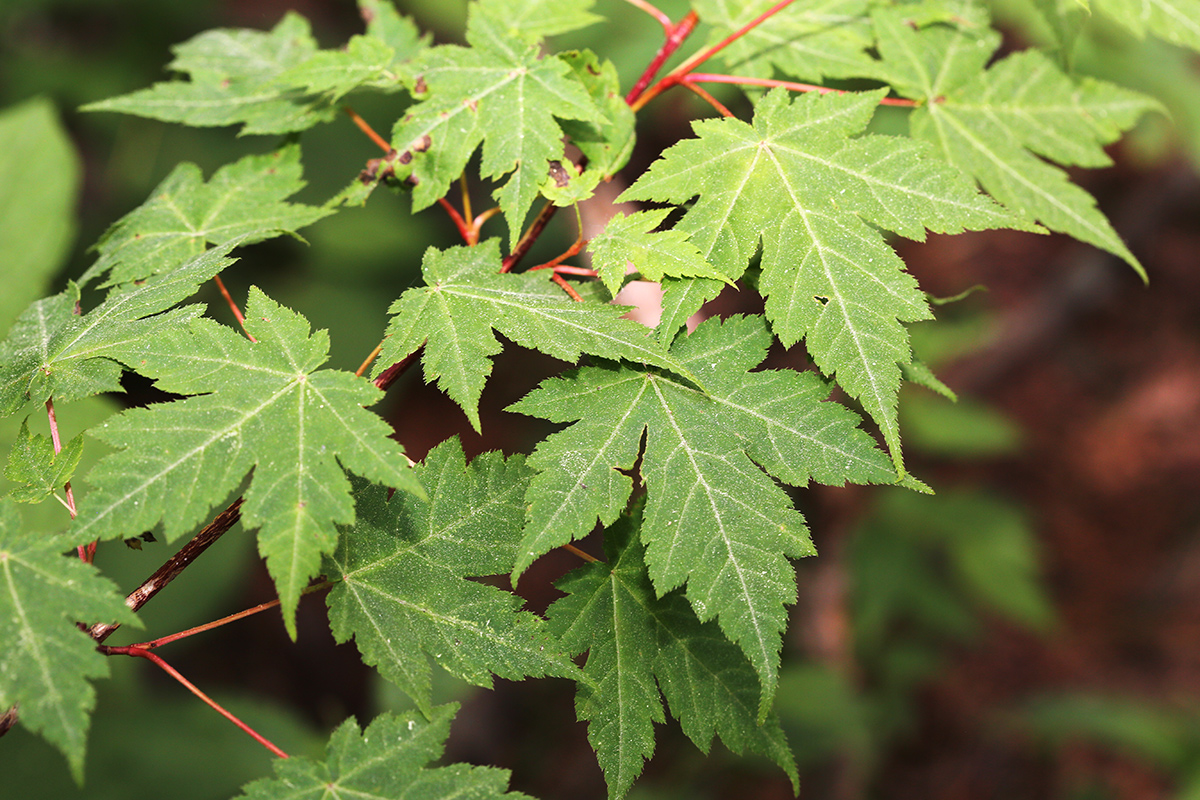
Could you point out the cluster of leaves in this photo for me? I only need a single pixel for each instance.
(678, 444)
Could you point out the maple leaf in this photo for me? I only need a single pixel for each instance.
(540, 18)
(466, 298)
(994, 123)
(52, 351)
(46, 660)
(244, 200)
(33, 462)
(498, 91)
(401, 572)
(811, 40)
(232, 74)
(638, 642)
(1177, 21)
(656, 254)
(387, 760)
(607, 143)
(794, 179)
(714, 520)
(267, 408)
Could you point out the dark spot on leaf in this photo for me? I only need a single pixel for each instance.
(821, 300)
(561, 176)
(405, 157)
(472, 104)
(422, 144)
(592, 70)
(420, 87)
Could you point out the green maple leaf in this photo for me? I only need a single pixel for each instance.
(1177, 21)
(656, 254)
(46, 660)
(268, 408)
(714, 520)
(388, 760)
(498, 91)
(795, 180)
(608, 143)
(638, 642)
(538, 18)
(402, 591)
(994, 124)
(244, 200)
(232, 79)
(811, 40)
(466, 299)
(51, 351)
(33, 462)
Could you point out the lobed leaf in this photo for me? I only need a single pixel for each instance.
(388, 760)
(33, 462)
(1176, 21)
(268, 408)
(500, 92)
(655, 254)
(638, 643)
(401, 572)
(714, 520)
(244, 200)
(466, 298)
(47, 660)
(794, 180)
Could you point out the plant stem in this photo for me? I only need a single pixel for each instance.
(208, 626)
(657, 13)
(368, 130)
(704, 77)
(389, 375)
(676, 35)
(676, 75)
(568, 288)
(529, 237)
(174, 565)
(138, 652)
(588, 557)
(86, 553)
(237, 312)
(708, 98)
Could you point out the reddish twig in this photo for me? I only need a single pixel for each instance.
(676, 34)
(704, 77)
(529, 237)
(208, 626)
(581, 271)
(657, 13)
(464, 230)
(588, 557)
(392, 373)
(570, 290)
(87, 552)
(676, 75)
(368, 130)
(367, 361)
(174, 565)
(138, 652)
(237, 312)
(708, 98)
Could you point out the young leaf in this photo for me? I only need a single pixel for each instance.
(656, 254)
(994, 124)
(606, 144)
(244, 200)
(46, 660)
(232, 78)
(465, 299)
(402, 591)
(638, 642)
(387, 760)
(796, 181)
(266, 407)
(501, 92)
(33, 462)
(51, 351)
(714, 520)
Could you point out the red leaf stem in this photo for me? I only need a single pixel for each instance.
(138, 652)
(368, 130)
(708, 98)
(237, 312)
(570, 290)
(657, 13)
(529, 237)
(676, 35)
(704, 77)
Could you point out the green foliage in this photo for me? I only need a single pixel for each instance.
(46, 661)
(681, 445)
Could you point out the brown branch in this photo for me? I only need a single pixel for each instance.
(174, 565)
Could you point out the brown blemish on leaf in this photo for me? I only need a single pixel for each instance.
(422, 144)
(420, 87)
(559, 174)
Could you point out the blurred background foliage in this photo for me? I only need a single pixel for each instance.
(1030, 631)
